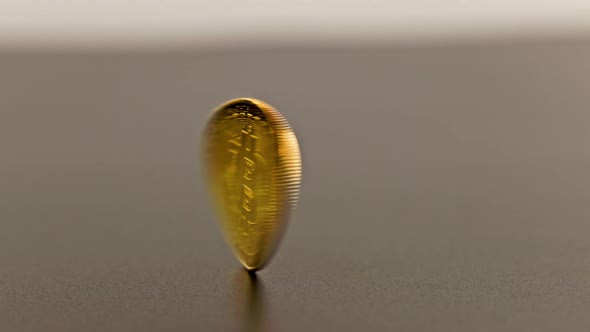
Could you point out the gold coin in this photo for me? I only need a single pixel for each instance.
(253, 167)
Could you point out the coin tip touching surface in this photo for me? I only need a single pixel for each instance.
(253, 167)
(251, 271)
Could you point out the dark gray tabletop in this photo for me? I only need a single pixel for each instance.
(445, 188)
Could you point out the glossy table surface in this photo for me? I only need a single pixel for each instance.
(445, 188)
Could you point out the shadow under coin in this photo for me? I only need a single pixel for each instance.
(251, 302)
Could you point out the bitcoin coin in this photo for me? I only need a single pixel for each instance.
(253, 167)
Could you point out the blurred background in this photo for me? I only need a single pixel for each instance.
(133, 24)
(445, 156)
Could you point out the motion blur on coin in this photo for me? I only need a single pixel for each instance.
(253, 167)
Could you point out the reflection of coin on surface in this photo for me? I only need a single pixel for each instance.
(250, 300)
(253, 167)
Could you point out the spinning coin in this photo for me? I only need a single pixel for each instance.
(253, 166)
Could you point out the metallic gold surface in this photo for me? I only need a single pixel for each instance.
(253, 167)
